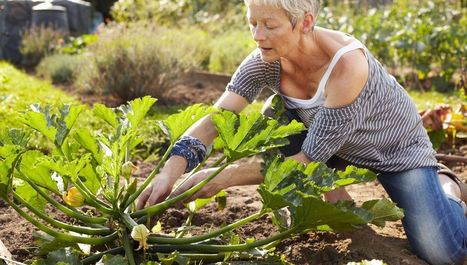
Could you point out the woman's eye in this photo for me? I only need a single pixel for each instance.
(270, 26)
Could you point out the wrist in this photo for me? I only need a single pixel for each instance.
(174, 167)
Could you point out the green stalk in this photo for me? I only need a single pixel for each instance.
(58, 224)
(62, 236)
(219, 257)
(128, 221)
(128, 246)
(68, 211)
(187, 224)
(149, 178)
(223, 248)
(157, 208)
(194, 239)
(95, 258)
(218, 161)
(90, 199)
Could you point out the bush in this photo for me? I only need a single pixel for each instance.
(134, 60)
(60, 68)
(38, 43)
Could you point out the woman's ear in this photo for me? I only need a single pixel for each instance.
(308, 22)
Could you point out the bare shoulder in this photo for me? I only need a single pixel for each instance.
(347, 79)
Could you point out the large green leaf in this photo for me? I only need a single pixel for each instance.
(8, 158)
(136, 110)
(41, 120)
(14, 137)
(65, 122)
(286, 181)
(39, 174)
(90, 178)
(112, 260)
(276, 172)
(298, 188)
(244, 135)
(63, 167)
(88, 142)
(315, 214)
(66, 256)
(106, 114)
(55, 127)
(176, 124)
(30, 195)
(383, 210)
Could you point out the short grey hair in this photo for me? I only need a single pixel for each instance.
(295, 9)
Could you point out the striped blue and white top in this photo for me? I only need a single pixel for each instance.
(381, 129)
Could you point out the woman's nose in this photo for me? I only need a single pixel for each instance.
(258, 34)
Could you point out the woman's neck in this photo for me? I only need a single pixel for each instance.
(309, 57)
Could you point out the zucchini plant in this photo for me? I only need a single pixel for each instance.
(88, 177)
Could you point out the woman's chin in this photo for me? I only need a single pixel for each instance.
(269, 58)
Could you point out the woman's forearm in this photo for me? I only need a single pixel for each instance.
(242, 174)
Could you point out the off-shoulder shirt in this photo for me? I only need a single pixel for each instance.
(381, 129)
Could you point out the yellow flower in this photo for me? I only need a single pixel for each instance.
(140, 233)
(73, 197)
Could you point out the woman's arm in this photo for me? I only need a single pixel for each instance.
(204, 130)
(234, 175)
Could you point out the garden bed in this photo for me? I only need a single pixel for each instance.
(388, 244)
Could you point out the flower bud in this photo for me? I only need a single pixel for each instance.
(140, 233)
(73, 197)
(128, 168)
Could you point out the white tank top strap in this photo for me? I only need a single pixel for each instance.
(350, 47)
(318, 98)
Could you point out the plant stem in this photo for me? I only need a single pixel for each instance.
(222, 248)
(149, 178)
(128, 246)
(94, 258)
(128, 221)
(194, 239)
(92, 200)
(166, 204)
(68, 211)
(58, 224)
(187, 224)
(62, 236)
(218, 161)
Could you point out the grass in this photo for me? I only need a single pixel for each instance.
(18, 91)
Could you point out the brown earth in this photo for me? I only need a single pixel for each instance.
(388, 244)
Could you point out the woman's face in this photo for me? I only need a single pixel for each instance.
(272, 31)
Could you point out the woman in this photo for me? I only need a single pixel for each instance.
(355, 112)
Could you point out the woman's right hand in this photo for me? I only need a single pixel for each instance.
(162, 184)
(157, 191)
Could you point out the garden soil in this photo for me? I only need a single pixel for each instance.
(370, 242)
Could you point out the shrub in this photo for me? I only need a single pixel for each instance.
(133, 60)
(38, 43)
(60, 68)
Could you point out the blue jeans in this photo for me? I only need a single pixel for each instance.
(435, 225)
